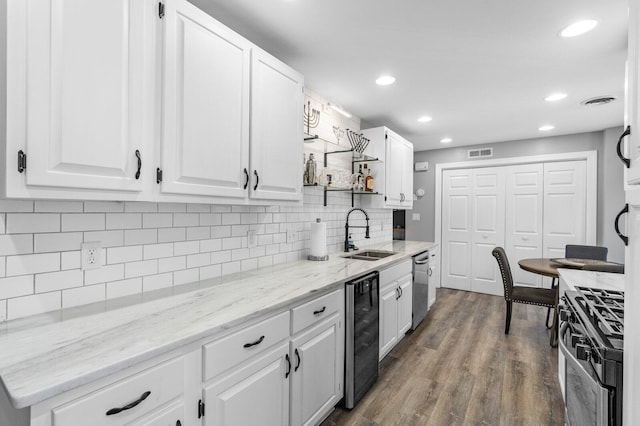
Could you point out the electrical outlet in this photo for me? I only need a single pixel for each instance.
(252, 238)
(91, 255)
(291, 236)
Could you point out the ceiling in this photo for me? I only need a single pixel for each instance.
(481, 69)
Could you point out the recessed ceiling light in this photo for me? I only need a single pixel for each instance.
(340, 110)
(578, 28)
(425, 119)
(385, 80)
(446, 140)
(546, 128)
(555, 97)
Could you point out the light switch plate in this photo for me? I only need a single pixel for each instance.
(415, 217)
(291, 236)
(252, 238)
(91, 255)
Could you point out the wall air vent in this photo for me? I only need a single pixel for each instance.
(599, 100)
(480, 153)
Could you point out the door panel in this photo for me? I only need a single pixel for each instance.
(487, 221)
(405, 305)
(87, 103)
(388, 319)
(206, 105)
(523, 219)
(456, 229)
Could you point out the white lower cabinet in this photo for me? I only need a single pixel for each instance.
(396, 309)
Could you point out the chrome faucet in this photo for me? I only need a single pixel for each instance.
(347, 246)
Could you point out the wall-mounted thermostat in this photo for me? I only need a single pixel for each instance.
(421, 166)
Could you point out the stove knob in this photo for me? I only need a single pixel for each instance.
(576, 338)
(565, 315)
(583, 352)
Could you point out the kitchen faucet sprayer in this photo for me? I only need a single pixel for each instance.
(348, 246)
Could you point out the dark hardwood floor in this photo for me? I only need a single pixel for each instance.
(459, 368)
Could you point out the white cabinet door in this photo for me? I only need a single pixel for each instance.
(256, 393)
(405, 305)
(171, 415)
(434, 274)
(393, 170)
(407, 175)
(89, 91)
(632, 174)
(456, 229)
(487, 226)
(565, 206)
(632, 316)
(388, 319)
(523, 219)
(276, 129)
(205, 137)
(317, 370)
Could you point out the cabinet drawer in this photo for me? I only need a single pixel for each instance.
(237, 347)
(322, 307)
(164, 383)
(395, 272)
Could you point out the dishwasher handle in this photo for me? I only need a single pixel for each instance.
(421, 262)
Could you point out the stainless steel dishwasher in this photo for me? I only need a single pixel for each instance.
(361, 337)
(421, 273)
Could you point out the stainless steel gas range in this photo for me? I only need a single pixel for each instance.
(591, 340)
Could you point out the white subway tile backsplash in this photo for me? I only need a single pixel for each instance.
(186, 219)
(210, 219)
(70, 260)
(23, 223)
(134, 237)
(124, 254)
(46, 206)
(139, 269)
(198, 208)
(239, 230)
(186, 276)
(166, 235)
(156, 251)
(265, 261)
(210, 245)
(249, 264)
(140, 207)
(33, 305)
(3, 310)
(3, 223)
(83, 222)
(13, 206)
(231, 219)
(124, 288)
(248, 218)
(220, 257)
(172, 208)
(16, 244)
(197, 260)
(32, 264)
(156, 282)
(104, 274)
(231, 243)
(61, 280)
(106, 238)
(220, 209)
(16, 286)
(172, 264)
(220, 231)
(124, 221)
(231, 268)
(186, 247)
(83, 295)
(61, 241)
(240, 254)
(157, 220)
(103, 206)
(199, 233)
(211, 271)
(3, 264)
(272, 228)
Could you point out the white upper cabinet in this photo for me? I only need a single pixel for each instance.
(276, 129)
(632, 112)
(205, 135)
(78, 104)
(393, 177)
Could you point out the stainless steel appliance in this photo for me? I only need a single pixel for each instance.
(361, 337)
(421, 274)
(591, 339)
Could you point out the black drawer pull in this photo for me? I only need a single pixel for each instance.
(178, 423)
(139, 164)
(625, 160)
(257, 342)
(298, 357)
(246, 178)
(286, 357)
(255, 172)
(623, 237)
(129, 406)
(324, 308)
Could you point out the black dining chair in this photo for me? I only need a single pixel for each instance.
(544, 297)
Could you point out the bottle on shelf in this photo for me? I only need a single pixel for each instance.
(368, 180)
(360, 186)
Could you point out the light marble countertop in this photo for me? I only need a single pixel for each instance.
(570, 278)
(50, 354)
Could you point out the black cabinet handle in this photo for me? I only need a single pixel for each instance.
(113, 411)
(298, 358)
(400, 288)
(178, 423)
(324, 308)
(625, 160)
(139, 163)
(286, 375)
(397, 293)
(623, 237)
(246, 178)
(255, 172)
(257, 342)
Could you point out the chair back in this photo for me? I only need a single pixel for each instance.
(572, 251)
(505, 271)
(615, 268)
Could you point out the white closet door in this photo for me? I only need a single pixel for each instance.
(487, 223)
(565, 203)
(456, 229)
(523, 219)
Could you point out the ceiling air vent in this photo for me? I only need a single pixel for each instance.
(599, 100)
(480, 153)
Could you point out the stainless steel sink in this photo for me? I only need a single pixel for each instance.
(370, 255)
